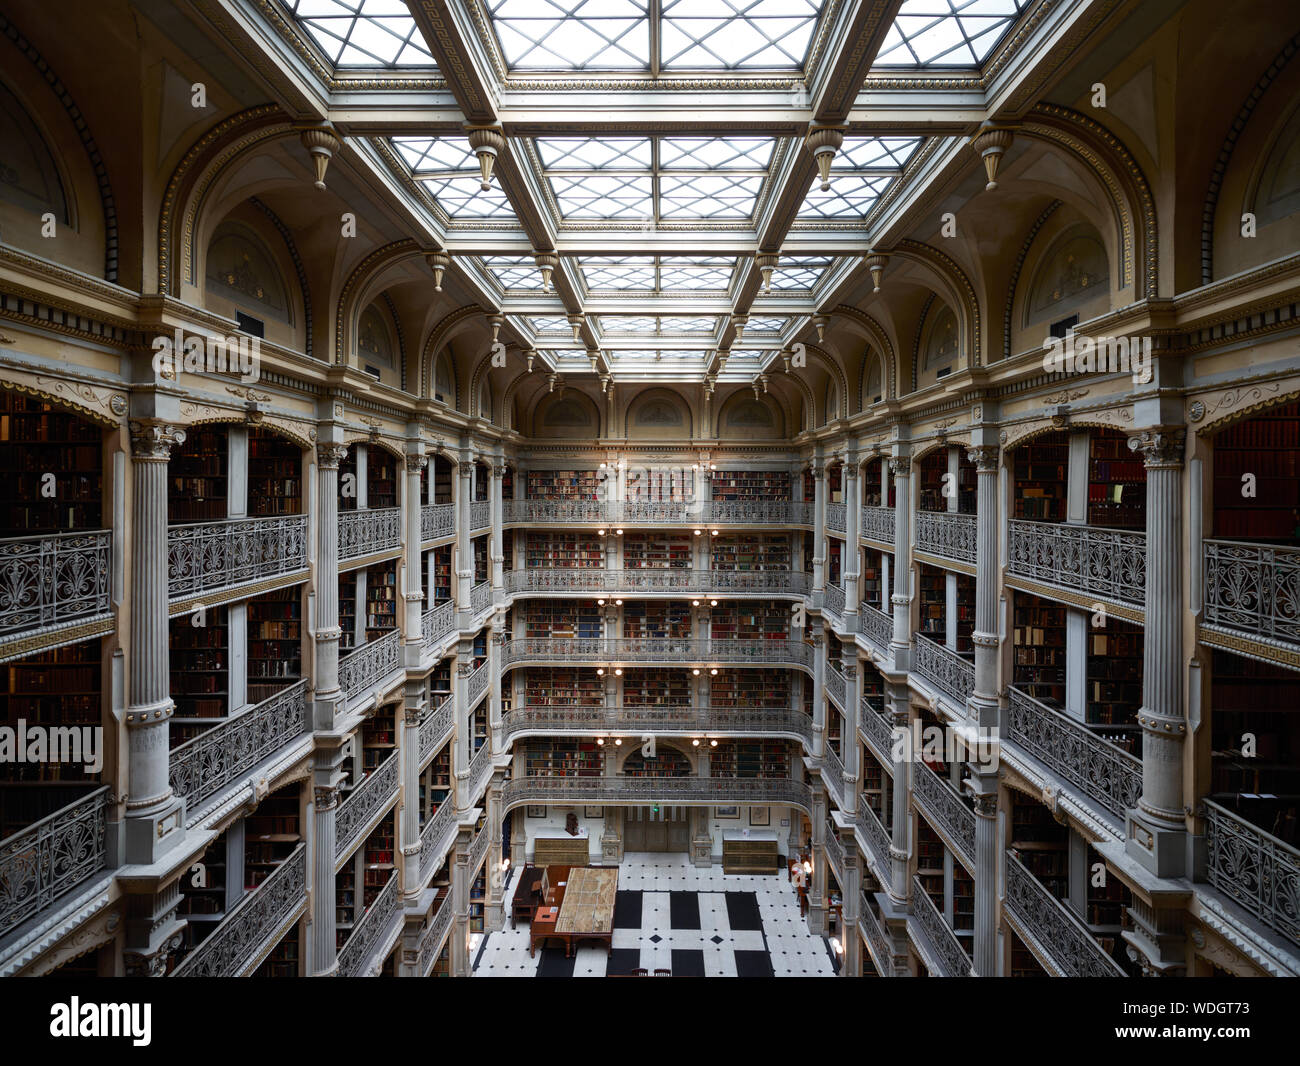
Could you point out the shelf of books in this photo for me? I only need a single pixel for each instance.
(564, 551)
(871, 494)
(197, 477)
(876, 784)
(963, 905)
(478, 726)
(873, 684)
(580, 757)
(750, 758)
(435, 785)
(809, 485)
(750, 690)
(666, 761)
(835, 730)
(750, 620)
(1039, 649)
(1023, 961)
(381, 478)
(1117, 480)
(440, 683)
(274, 474)
(751, 551)
(835, 561)
(59, 687)
(271, 833)
(378, 859)
(929, 862)
(931, 755)
(349, 480)
(657, 620)
(872, 579)
(656, 688)
(480, 548)
(481, 476)
(441, 574)
(199, 669)
(562, 485)
(381, 600)
(835, 484)
(965, 613)
(1266, 445)
(673, 485)
(657, 551)
(1114, 683)
(274, 642)
(1040, 470)
(477, 901)
(563, 686)
(37, 438)
(744, 485)
(562, 619)
(283, 960)
(1040, 842)
(378, 737)
(930, 481)
(345, 903)
(932, 585)
(807, 554)
(348, 610)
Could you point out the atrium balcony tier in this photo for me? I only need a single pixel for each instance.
(670, 581)
(659, 512)
(519, 652)
(55, 581)
(642, 791)
(700, 722)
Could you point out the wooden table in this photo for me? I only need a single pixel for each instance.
(543, 926)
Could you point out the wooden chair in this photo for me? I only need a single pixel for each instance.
(663, 973)
(640, 973)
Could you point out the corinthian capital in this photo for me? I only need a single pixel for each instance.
(1159, 447)
(329, 454)
(985, 457)
(899, 466)
(415, 463)
(152, 439)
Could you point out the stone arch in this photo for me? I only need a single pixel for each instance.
(663, 409)
(1013, 283)
(958, 293)
(1076, 241)
(742, 406)
(354, 296)
(1237, 403)
(866, 326)
(447, 327)
(566, 407)
(79, 406)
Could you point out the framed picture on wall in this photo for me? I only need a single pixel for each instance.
(535, 810)
(726, 812)
(593, 812)
(759, 816)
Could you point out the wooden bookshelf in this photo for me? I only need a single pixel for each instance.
(381, 478)
(1040, 843)
(562, 485)
(1040, 469)
(871, 581)
(876, 784)
(274, 474)
(745, 485)
(36, 439)
(274, 642)
(271, 833)
(1023, 961)
(435, 785)
(563, 686)
(656, 688)
(579, 757)
(348, 610)
(345, 903)
(930, 473)
(1114, 683)
(378, 738)
(929, 862)
(835, 561)
(479, 545)
(750, 620)
(441, 575)
(477, 901)
(442, 475)
(965, 613)
(750, 759)
(751, 551)
(750, 690)
(563, 619)
(932, 585)
(667, 762)
(871, 495)
(199, 666)
(872, 684)
(440, 682)
(671, 485)
(657, 620)
(1117, 482)
(381, 600)
(1039, 649)
(564, 551)
(478, 725)
(283, 960)
(378, 862)
(1268, 446)
(59, 687)
(657, 551)
(197, 475)
(206, 902)
(963, 903)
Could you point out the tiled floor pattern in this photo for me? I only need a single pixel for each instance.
(671, 915)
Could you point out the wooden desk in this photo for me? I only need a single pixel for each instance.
(549, 851)
(752, 854)
(543, 926)
(527, 894)
(588, 913)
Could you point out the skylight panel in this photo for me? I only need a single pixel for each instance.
(461, 197)
(947, 33)
(628, 323)
(670, 324)
(737, 34)
(595, 153)
(572, 34)
(602, 195)
(717, 196)
(514, 271)
(863, 153)
(447, 168)
(850, 197)
(766, 324)
(436, 154)
(363, 33)
(716, 153)
(683, 273)
(609, 272)
(799, 272)
(548, 324)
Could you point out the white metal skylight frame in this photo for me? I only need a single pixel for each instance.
(448, 169)
(947, 33)
(657, 274)
(362, 34)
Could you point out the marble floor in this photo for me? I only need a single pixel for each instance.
(674, 916)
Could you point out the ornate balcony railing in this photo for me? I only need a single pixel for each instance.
(436, 837)
(878, 943)
(1101, 562)
(1254, 868)
(1253, 588)
(836, 686)
(533, 511)
(655, 649)
(835, 850)
(361, 670)
(660, 512)
(1058, 933)
(50, 857)
(480, 769)
(436, 623)
(946, 533)
(480, 515)
(369, 530)
(878, 524)
(1105, 773)
(877, 836)
(478, 849)
(639, 720)
(759, 512)
(944, 807)
(949, 954)
(253, 925)
(437, 520)
(480, 597)
(356, 812)
(478, 682)
(837, 518)
(435, 725)
(701, 791)
(435, 933)
(54, 579)
(942, 666)
(833, 776)
(214, 555)
(201, 767)
(761, 582)
(877, 626)
(834, 600)
(356, 957)
(877, 731)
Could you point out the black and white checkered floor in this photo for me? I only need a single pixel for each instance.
(670, 915)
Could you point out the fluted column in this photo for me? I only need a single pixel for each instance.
(414, 591)
(493, 908)
(416, 703)
(458, 945)
(819, 529)
(495, 545)
(327, 632)
(817, 887)
(153, 812)
(900, 832)
(849, 743)
(1157, 826)
(852, 523)
(819, 693)
(984, 700)
(851, 960)
(464, 554)
(324, 953)
(463, 749)
(496, 684)
(900, 466)
(985, 954)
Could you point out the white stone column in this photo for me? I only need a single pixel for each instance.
(325, 803)
(1156, 830)
(413, 711)
(900, 466)
(413, 595)
(852, 523)
(326, 676)
(819, 692)
(900, 848)
(819, 530)
(851, 941)
(464, 553)
(496, 548)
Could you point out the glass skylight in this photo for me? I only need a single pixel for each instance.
(549, 324)
(609, 272)
(737, 34)
(514, 271)
(766, 324)
(799, 272)
(947, 33)
(664, 325)
(447, 167)
(661, 274)
(849, 197)
(679, 272)
(363, 33)
(862, 169)
(572, 34)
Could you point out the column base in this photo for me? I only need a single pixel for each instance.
(149, 836)
(1158, 848)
